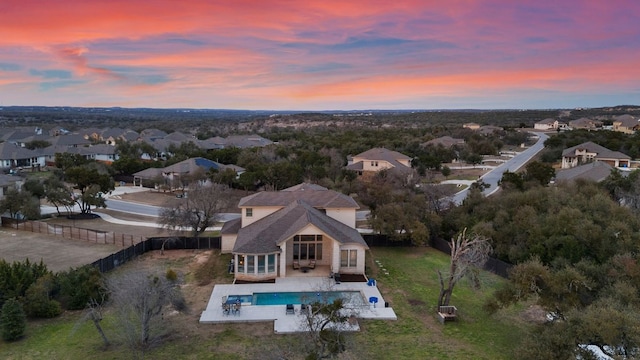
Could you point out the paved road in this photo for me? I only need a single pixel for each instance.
(493, 177)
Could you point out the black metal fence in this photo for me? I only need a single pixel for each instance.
(156, 243)
(494, 265)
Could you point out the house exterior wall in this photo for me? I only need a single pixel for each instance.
(227, 242)
(372, 165)
(257, 213)
(345, 216)
(336, 267)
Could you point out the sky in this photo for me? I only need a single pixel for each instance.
(320, 55)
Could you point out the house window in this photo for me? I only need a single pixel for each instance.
(251, 264)
(348, 258)
(261, 263)
(271, 261)
(248, 212)
(307, 247)
(241, 262)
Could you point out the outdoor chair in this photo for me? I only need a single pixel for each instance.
(296, 265)
(226, 308)
(236, 308)
(312, 264)
(290, 309)
(304, 309)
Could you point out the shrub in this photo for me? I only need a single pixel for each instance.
(171, 275)
(79, 286)
(38, 301)
(15, 278)
(13, 321)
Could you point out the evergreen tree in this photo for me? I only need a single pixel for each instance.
(13, 321)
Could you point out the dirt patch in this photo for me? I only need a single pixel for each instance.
(534, 314)
(160, 198)
(414, 302)
(56, 252)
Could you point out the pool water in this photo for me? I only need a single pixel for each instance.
(245, 299)
(283, 298)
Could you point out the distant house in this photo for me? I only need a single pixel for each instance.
(472, 126)
(280, 234)
(174, 174)
(14, 156)
(378, 159)
(590, 152)
(444, 141)
(246, 141)
(585, 123)
(546, 124)
(9, 182)
(489, 129)
(626, 124)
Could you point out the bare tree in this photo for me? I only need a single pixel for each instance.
(200, 210)
(468, 255)
(139, 300)
(324, 322)
(93, 312)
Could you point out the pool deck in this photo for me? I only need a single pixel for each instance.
(283, 322)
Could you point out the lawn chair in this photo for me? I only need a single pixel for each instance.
(304, 309)
(312, 264)
(296, 265)
(290, 309)
(226, 308)
(236, 308)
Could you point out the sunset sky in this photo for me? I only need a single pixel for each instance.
(320, 55)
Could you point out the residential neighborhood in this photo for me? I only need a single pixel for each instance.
(280, 219)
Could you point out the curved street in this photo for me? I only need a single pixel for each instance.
(514, 164)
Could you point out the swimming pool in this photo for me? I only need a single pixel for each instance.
(283, 298)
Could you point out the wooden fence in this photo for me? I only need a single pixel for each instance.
(70, 232)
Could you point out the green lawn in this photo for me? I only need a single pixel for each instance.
(411, 288)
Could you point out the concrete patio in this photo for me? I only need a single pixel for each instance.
(287, 323)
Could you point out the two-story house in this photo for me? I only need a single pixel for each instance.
(282, 233)
(378, 159)
(590, 152)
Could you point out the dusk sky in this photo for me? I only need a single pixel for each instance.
(320, 55)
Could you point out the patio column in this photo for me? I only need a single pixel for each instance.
(283, 260)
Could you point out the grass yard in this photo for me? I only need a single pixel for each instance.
(411, 288)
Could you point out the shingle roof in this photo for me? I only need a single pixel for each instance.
(9, 151)
(382, 154)
(316, 196)
(548, 121)
(627, 121)
(595, 171)
(266, 234)
(601, 151)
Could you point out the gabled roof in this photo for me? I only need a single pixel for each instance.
(547, 121)
(69, 140)
(6, 180)
(9, 151)
(191, 165)
(102, 149)
(264, 235)
(314, 195)
(382, 154)
(178, 136)
(627, 121)
(247, 141)
(601, 151)
(153, 133)
(596, 171)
